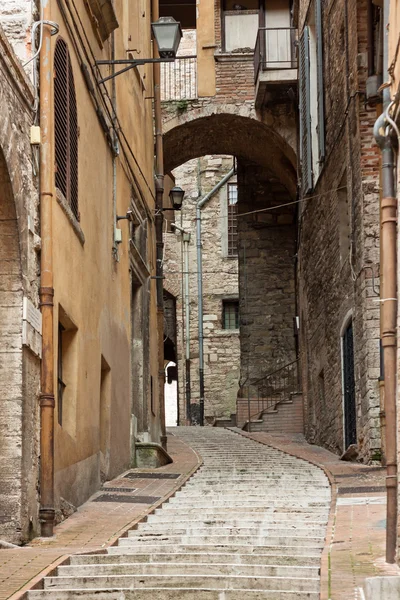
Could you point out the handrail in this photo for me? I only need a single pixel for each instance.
(271, 389)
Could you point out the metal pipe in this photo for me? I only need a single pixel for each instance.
(186, 297)
(199, 206)
(47, 401)
(159, 219)
(186, 241)
(389, 305)
(370, 39)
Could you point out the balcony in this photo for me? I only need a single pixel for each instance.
(275, 64)
(179, 79)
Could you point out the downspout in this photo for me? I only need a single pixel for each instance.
(47, 401)
(199, 206)
(389, 304)
(159, 219)
(186, 241)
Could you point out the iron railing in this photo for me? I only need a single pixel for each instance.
(276, 48)
(179, 79)
(266, 393)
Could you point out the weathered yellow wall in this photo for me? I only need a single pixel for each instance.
(92, 283)
(205, 48)
(394, 33)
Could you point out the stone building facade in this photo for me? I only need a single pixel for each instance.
(220, 288)
(20, 345)
(107, 400)
(338, 237)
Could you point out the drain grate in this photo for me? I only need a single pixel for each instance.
(362, 490)
(117, 489)
(152, 476)
(127, 499)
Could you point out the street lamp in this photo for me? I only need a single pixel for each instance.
(176, 196)
(167, 34)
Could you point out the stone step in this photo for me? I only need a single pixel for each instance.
(199, 557)
(235, 520)
(203, 529)
(193, 568)
(271, 549)
(169, 510)
(171, 594)
(128, 545)
(203, 581)
(219, 540)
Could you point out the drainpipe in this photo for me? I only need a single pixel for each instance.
(389, 304)
(199, 206)
(46, 401)
(186, 241)
(159, 218)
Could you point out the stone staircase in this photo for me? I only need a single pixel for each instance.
(286, 416)
(250, 524)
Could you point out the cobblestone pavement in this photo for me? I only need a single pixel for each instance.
(355, 542)
(95, 525)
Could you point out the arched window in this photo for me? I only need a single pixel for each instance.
(66, 127)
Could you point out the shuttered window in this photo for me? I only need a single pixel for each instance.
(305, 112)
(66, 127)
(320, 81)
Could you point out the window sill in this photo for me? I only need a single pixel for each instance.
(70, 216)
(234, 56)
(226, 332)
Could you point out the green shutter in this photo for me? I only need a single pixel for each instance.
(305, 112)
(320, 81)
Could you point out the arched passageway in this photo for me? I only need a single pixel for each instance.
(266, 178)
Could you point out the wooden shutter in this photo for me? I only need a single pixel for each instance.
(305, 112)
(320, 81)
(66, 127)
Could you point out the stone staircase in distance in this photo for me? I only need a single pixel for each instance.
(272, 403)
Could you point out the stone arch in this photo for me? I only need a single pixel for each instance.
(204, 129)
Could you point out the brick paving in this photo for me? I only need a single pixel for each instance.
(355, 541)
(95, 525)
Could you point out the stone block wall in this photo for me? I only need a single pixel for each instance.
(335, 286)
(20, 344)
(220, 281)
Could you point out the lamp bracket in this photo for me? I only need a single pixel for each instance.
(131, 62)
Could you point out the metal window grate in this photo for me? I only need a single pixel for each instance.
(66, 127)
(232, 219)
(231, 314)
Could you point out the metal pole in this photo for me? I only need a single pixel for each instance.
(159, 177)
(186, 240)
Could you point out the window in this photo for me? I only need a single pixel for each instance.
(232, 219)
(230, 318)
(239, 25)
(66, 127)
(61, 384)
(312, 111)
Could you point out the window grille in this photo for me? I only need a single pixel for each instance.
(230, 318)
(232, 219)
(66, 127)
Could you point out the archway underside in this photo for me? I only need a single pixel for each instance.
(242, 137)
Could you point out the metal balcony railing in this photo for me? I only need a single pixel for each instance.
(179, 79)
(276, 48)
